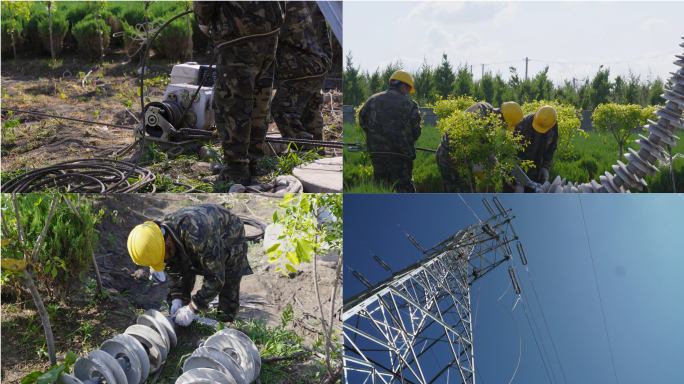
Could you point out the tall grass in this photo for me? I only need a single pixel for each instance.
(591, 157)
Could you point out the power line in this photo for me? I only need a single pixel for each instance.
(516, 327)
(535, 341)
(609, 62)
(605, 324)
(547, 325)
(471, 210)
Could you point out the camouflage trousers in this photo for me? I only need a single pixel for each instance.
(390, 170)
(244, 78)
(296, 108)
(451, 179)
(229, 296)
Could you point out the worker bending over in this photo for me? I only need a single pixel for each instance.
(540, 130)
(510, 114)
(203, 239)
(391, 120)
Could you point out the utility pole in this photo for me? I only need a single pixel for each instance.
(471, 70)
(389, 327)
(574, 84)
(526, 61)
(483, 70)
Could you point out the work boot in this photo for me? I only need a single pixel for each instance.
(290, 133)
(254, 169)
(224, 317)
(237, 172)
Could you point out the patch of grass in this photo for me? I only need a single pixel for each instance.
(284, 165)
(358, 170)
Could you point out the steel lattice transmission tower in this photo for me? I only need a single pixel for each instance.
(416, 326)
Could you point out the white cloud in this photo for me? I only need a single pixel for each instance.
(652, 22)
(466, 45)
(451, 12)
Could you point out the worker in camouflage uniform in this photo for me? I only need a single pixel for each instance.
(245, 34)
(391, 120)
(540, 130)
(303, 59)
(510, 114)
(203, 239)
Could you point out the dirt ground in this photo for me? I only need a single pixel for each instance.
(108, 94)
(265, 294)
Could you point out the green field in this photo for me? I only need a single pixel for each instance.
(591, 158)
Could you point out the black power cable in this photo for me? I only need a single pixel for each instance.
(254, 223)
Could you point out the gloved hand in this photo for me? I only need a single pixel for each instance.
(176, 304)
(519, 188)
(543, 175)
(184, 316)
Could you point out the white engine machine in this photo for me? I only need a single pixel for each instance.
(162, 120)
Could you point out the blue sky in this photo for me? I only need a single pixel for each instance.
(581, 33)
(637, 243)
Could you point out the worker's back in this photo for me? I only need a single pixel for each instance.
(391, 121)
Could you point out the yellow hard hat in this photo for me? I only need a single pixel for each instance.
(404, 77)
(544, 119)
(480, 171)
(512, 114)
(146, 246)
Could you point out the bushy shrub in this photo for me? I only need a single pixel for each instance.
(31, 29)
(172, 41)
(444, 108)
(59, 30)
(66, 253)
(20, 23)
(86, 33)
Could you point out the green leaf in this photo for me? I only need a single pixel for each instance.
(304, 250)
(37, 203)
(47, 269)
(272, 260)
(51, 375)
(288, 198)
(282, 237)
(220, 326)
(275, 217)
(54, 273)
(305, 205)
(63, 96)
(271, 250)
(293, 258)
(290, 268)
(70, 358)
(31, 378)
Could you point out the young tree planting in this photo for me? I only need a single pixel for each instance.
(482, 140)
(17, 10)
(620, 122)
(312, 228)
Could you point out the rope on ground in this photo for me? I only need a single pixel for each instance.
(254, 223)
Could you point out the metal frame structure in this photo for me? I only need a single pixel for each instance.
(415, 327)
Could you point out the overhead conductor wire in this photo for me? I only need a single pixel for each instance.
(545, 323)
(516, 327)
(605, 324)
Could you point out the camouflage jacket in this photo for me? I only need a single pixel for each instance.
(210, 241)
(391, 121)
(541, 147)
(482, 108)
(304, 46)
(229, 20)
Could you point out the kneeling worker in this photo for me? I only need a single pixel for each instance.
(203, 239)
(540, 130)
(510, 113)
(391, 120)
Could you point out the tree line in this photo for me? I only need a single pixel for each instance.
(434, 83)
